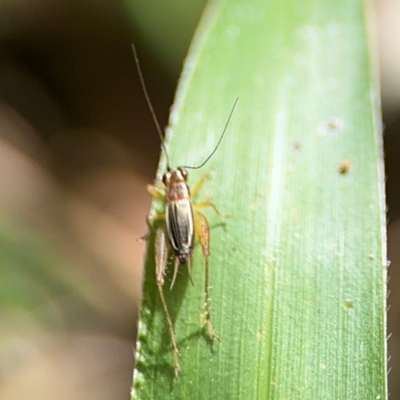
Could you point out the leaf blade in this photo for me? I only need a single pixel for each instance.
(299, 272)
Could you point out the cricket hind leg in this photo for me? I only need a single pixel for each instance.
(161, 258)
(203, 233)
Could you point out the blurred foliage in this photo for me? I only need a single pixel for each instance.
(166, 26)
(36, 281)
(77, 147)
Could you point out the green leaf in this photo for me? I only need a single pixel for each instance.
(298, 270)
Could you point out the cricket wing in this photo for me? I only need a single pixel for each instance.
(179, 218)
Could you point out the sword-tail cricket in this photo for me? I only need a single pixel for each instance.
(183, 223)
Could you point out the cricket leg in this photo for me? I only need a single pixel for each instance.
(203, 233)
(161, 258)
(155, 217)
(204, 204)
(196, 188)
(149, 220)
(157, 193)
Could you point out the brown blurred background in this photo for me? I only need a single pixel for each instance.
(77, 146)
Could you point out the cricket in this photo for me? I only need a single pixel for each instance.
(183, 223)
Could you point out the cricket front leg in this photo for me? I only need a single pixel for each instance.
(203, 233)
(156, 191)
(161, 258)
(197, 187)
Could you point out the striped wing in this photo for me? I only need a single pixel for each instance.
(179, 219)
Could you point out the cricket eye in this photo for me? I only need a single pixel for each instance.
(184, 173)
(165, 179)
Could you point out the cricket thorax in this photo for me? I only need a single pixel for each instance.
(175, 182)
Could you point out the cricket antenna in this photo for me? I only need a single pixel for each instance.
(152, 112)
(219, 141)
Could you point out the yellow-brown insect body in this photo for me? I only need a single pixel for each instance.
(183, 223)
(179, 215)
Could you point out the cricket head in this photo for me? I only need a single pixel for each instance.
(177, 175)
